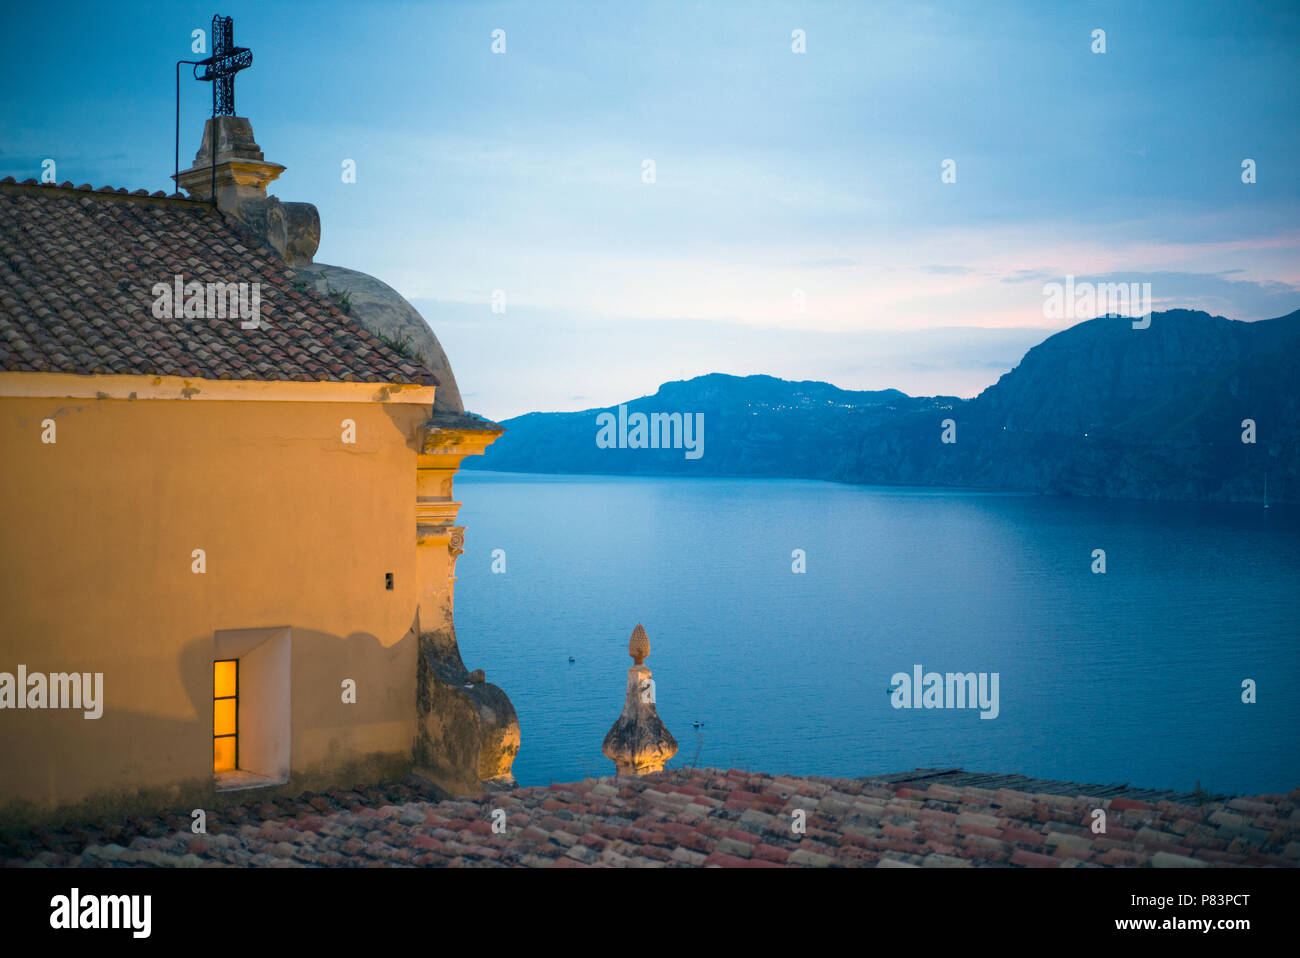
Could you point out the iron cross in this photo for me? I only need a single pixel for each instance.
(220, 68)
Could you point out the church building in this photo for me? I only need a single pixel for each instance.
(229, 528)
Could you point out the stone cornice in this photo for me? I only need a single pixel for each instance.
(440, 440)
(241, 172)
(35, 385)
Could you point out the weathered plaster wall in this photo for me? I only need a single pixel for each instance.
(299, 529)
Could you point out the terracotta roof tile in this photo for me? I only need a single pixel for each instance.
(77, 270)
(643, 822)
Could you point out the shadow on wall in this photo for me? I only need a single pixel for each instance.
(416, 708)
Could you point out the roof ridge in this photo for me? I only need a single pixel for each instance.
(10, 184)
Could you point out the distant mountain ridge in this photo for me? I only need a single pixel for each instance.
(1099, 409)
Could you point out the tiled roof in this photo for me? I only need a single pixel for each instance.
(77, 270)
(960, 778)
(694, 817)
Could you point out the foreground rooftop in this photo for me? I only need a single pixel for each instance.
(706, 817)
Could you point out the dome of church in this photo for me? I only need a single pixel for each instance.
(383, 311)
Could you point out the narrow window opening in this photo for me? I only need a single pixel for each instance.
(225, 715)
(388, 581)
(250, 707)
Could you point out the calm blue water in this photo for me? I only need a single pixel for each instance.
(1132, 676)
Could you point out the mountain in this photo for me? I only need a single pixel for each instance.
(1099, 409)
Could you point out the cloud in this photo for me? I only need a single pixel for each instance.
(551, 352)
(1213, 292)
(1030, 275)
(946, 270)
(967, 365)
(834, 262)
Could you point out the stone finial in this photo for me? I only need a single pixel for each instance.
(639, 645)
(242, 173)
(242, 176)
(639, 743)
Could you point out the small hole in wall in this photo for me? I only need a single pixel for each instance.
(388, 581)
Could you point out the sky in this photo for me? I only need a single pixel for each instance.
(798, 223)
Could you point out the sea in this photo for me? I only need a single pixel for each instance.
(784, 615)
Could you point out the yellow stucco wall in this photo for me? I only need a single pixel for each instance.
(299, 529)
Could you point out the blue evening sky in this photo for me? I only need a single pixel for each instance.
(775, 172)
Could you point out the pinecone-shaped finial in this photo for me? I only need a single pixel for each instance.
(639, 645)
(639, 743)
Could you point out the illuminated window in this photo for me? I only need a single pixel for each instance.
(250, 707)
(225, 715)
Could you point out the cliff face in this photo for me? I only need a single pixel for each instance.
(1100, 409)
(1103, 409)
